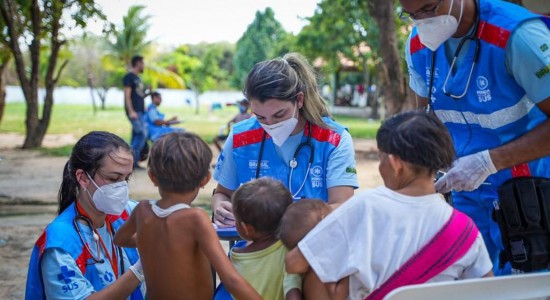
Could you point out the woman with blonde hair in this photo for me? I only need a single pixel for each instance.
(292, 138)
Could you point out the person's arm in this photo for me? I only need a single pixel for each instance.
(63, 280)
(126, 234)
(338, 290)
(120, 289)
(524, 61)
(227, 177)
(128, 100)
(490, 274)
(295, 262)
(341, 174)
(210, 245)
(530, 146)
(294, 294)
(222, 207)
(338, 195)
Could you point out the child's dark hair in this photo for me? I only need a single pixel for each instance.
(299, 218)
(87, 154)
(180, 161)
(418, 138)
(261, 203)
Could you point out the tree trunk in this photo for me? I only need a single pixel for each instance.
(392, 81)
(3, 68)
(102, 94)
(91, 86)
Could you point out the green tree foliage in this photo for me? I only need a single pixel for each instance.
(260, 41)
(201, 71)
(363, 33)
(35, 24)
(337, 28)
(94, 68)
(131, 38)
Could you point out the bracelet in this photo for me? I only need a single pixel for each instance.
(138, 274)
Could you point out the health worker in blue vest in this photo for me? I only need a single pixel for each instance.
(291, 138)
(483, 67)
(75, 257)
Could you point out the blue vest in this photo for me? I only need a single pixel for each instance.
(248, 137)
(495, 109)
(62, 234)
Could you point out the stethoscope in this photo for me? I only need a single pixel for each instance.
(116, 251)
(470, 37)
(293, 163)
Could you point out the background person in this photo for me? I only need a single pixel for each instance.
(134, 104)
(495, 99)
(291, 138)
(243, 114)
(75, 257)
(379, 238)
(178, 244)
(158, 126)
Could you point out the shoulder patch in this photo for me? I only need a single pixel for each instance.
(325, 135)
(248, 137)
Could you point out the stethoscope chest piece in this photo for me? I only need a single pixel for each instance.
(293, 163)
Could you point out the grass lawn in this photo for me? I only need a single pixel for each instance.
(80, 119)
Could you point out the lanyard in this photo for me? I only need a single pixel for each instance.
(112, 260)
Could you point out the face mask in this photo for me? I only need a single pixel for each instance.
(435, 31)
(242, 109)
(110, 198)
(281, 131)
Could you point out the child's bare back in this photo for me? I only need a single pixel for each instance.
(177, 244)
(171, 254)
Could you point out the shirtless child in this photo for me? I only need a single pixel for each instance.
(177, 244)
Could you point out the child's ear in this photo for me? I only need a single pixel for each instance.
(248, 229)
(206, 179)
(153, 178)
(396, 163)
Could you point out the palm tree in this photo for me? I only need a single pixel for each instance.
(131, 40)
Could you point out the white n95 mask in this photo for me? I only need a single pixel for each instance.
(433, 32)
(110, 198)
(280, 132)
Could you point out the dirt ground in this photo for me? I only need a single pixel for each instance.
(29, 182)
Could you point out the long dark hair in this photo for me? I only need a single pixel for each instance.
(87, 155)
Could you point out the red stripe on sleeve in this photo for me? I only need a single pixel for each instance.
(41, 243)
(416, 45)
(81, 260)
(492, 34)
(325, 135)
(248, 137)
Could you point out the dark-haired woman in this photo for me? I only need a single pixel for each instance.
(291, 138)
(75, 257)
(401, 233)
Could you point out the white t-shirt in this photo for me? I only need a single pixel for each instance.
(375, 232)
